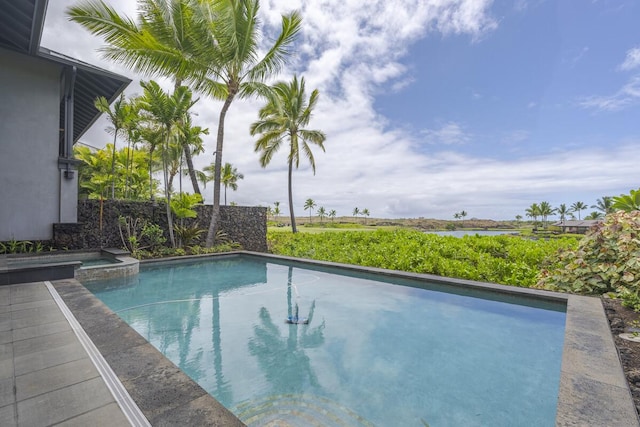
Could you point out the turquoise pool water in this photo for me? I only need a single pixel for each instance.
(372, 353)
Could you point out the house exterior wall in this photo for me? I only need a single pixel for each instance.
(30, 180)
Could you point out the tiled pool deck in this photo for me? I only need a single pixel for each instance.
(47, 377)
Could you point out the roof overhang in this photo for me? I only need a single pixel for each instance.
(21, 27)
(91, 82)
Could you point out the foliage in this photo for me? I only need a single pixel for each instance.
(627, 202)
(136, 231)
(285, 117)
(182, 205)
(607, 259)
(20, 247)
(130, 182)
(188, 234)
(501, 259)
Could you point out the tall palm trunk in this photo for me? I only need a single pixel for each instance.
(113, 165)
(215, 212)
(293, 217)
(192, 172)
(187, 153)
(167, 191)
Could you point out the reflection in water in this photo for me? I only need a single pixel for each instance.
(283, 360)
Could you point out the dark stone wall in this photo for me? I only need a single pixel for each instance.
(246, 225)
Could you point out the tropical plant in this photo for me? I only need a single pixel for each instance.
(463, 214)
(594, 215)
(563, 211)
(604, 205)
(533, 212)
(499, 259)
(162, 42)
(230, 177)
(627, 202)
(356, 212)
(235, 67)
(212, 45)
(309, 204)
(607, 259)
(578, 207)
(365, 212)
(276, 210)
(119, 116)
(167, 110)
(456, 215)
(544, 210)
(332, 214)
(285, 116)
(518, 218)
(322, 213)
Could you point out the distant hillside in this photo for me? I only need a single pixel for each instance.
(417, 223)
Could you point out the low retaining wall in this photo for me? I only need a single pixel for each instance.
(246, 225)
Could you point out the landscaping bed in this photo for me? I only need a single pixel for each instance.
(622, 319)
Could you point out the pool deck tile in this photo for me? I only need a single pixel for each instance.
(165, 394)
(46, 376)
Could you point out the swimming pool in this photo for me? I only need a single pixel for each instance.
(373, 352)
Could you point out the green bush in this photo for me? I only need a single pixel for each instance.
(508, 260)
(607, 260)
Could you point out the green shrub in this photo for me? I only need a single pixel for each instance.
(508, 260)
(607, 259)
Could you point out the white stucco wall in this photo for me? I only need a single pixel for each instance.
(29, 122)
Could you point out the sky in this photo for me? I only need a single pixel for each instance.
(432, 107)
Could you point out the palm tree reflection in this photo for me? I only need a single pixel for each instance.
(283, 359)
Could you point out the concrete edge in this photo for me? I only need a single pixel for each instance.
(131, 411)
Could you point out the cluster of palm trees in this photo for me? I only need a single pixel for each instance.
(603, 206)
(364, 212)
(212, 47)
(460, 215)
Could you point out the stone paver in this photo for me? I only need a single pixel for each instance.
(46, 376)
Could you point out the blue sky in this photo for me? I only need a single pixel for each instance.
(436, 106)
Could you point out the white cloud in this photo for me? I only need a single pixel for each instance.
(450, 133)
(627, 96)
(632, 60)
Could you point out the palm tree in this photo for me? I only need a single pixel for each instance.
(456, 215)
(545, 210)
(332, 214)
(463, 214)
(563, 211)
(235, 68)
(285, 116)
(230, 177)
(578, 207)
(163, 41)
(533, 211)
(322, 213)
(604, 205)
(365, 212)
(594, 215)
(518, 218)
(211, 44)
(310, 205)
(190, 137)
(356, 212)
(276, 210)
(167, 111)
(119, 117)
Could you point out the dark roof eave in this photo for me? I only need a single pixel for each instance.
(37, 26)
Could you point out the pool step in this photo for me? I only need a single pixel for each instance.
(293, 410)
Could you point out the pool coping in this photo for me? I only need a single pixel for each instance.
(593, 388)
